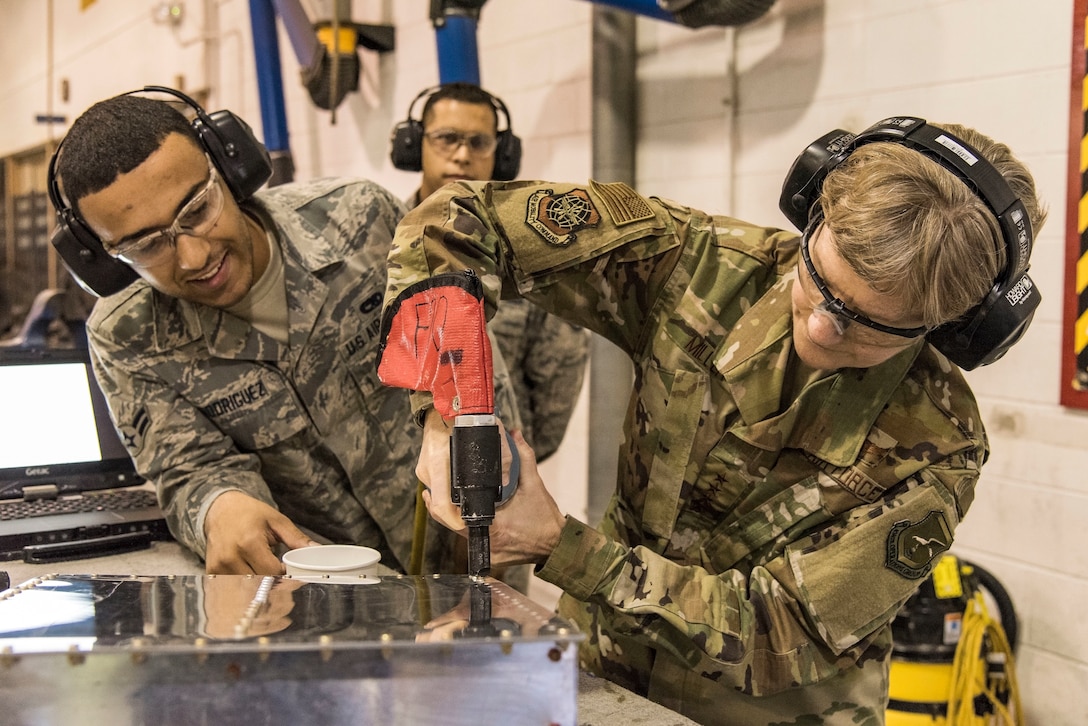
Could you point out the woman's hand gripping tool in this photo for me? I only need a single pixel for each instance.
(434, 338)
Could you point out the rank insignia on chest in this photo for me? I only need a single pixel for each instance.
(556, 217)
(912, 546)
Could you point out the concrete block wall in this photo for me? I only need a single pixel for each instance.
(723, 113)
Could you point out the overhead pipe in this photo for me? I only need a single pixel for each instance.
(329, 59)
(647, 8)
(455, 23)
(614, 127)
(299, 31)
(266, 50)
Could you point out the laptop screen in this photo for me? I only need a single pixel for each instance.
(55, 427)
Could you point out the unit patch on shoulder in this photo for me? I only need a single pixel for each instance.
(912, 546)
(556, 217)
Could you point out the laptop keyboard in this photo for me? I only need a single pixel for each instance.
(90, 502)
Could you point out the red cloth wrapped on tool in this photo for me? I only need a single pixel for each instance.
(434, 338)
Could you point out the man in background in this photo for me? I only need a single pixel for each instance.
(458, 139)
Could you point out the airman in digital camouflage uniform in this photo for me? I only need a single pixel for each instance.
(544, 354)
(241, 368)
(789, 471)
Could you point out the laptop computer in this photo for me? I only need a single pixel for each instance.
(68, 488)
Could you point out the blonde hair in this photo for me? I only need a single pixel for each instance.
(912, 229)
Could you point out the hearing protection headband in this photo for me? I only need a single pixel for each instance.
(242, 161)
(987, 331)
(406, 150)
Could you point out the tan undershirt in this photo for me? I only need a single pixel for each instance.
(265, 305)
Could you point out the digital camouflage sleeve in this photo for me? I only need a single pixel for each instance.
(769, 520)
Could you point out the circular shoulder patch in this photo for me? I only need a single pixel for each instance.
(556, 217)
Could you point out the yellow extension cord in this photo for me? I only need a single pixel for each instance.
(969, 681)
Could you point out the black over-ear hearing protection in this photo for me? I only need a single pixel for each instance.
(407, 141)
(988, 330)
(240, 158)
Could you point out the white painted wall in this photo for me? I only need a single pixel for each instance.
(723, 115)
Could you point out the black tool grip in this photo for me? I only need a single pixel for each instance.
(476, 471)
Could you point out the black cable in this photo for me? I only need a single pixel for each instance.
(1005, 607)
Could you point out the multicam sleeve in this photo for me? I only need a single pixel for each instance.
(801, 617)
(546, 242)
